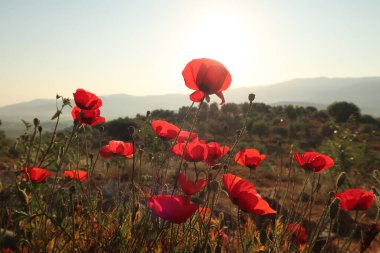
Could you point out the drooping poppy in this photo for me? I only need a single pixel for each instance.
(206, 76)
(215, 152)
(244, 195)
(185, 135)
(188, 187)
(313, 161)
(355, 199)
(80, 175)
(297, 233)
(164, 129)
(86, 100)
(37, 175)
(196, 151)
(250, 158)
(176, 209)
(117, 148)
(88, 117)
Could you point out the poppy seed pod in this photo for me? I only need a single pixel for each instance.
(334, 208)
(36, 122)
(340, 180)
(251, 97)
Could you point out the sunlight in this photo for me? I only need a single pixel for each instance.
(221, 36)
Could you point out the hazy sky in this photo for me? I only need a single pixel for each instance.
(141, 47)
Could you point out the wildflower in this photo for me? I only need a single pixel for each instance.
(250, 158)
(86, 100)
(176, 209)
(81, 175)
(88, 117)
(117, 148)
(37, 175)
(244, 195)
(188, 187)
(298, 233)
(215, 152)
(185, 135)
(206, 76)
(164, 129)
(355, 199)
(313, 161)
(196, 151)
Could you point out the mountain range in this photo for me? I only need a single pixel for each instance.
(318, 92)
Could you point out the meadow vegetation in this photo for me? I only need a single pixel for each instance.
(235, 178)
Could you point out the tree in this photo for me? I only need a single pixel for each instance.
(342, 111)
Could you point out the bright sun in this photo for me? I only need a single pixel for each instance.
(220, 36)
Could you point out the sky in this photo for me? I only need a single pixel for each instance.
(50, 47)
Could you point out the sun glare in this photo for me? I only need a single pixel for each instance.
(220, 36)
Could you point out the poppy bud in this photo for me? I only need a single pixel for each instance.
(340, 180)
(101, 129)
(147, 113)
(40, 129)
(91, 156)
(334, 208)
(36, 122)
(57, 96)
(251, 97)
(214, 185)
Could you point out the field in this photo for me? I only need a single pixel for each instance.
(242, 178)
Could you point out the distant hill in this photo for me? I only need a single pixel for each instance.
(318, 92)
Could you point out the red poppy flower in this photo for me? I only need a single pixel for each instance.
(176, 209)
(184, 135)
(164, 129)
(244, 195)
(195, 151)
(188, 187)
(88, 117)
(298, 233)
(215, 152)
(313, 161)
(86, 100)
(117, 148)
(250, 158)
(37, 175)
(355, 199)
(206, 77)
(81, 175)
